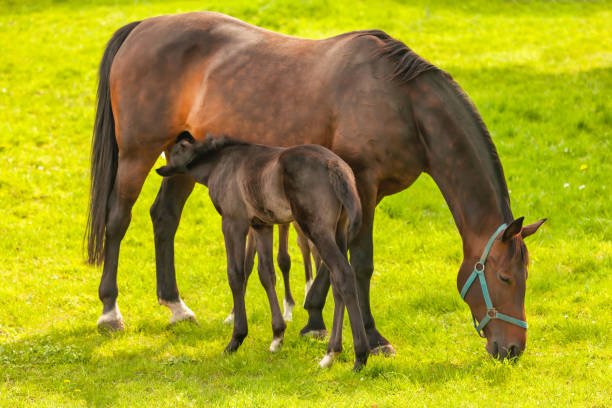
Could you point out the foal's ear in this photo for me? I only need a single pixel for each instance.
(185, 135)
(531, 228)
(166, 171)
(513, 229)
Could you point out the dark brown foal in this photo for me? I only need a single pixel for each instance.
(255, 186)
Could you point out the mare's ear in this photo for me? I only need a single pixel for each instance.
(531, 228)
(513, 229)
(166, 171)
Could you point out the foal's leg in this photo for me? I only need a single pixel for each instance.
(131, 173)
(304, 245)
(342, 277)
(234, 232)
(265, 267)
(362, 261)
(284, 263)
(166, 215)
(335, 340)
(249, 261)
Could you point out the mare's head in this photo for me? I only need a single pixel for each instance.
(505, 273)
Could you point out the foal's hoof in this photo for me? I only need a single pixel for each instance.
(315, 334)
(233, 345)
(229, 319)
(276, 345)
(328, 359)
(386, 350)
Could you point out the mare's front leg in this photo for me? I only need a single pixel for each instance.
(234, 232)
(362, 261)
(265, 267)
(166, 215)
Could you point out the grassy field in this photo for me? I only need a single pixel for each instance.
(540, 74)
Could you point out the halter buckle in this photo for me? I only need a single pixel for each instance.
(492, 313)
(479, 267)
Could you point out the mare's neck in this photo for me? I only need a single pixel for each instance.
(462, 160)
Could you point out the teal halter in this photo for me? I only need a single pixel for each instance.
(478, 272)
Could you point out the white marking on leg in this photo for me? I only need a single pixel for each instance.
(229, 319)
(276, 345)
(288, 308)
(112, 318)
(307, 289)
(179, 310)
(328, 360)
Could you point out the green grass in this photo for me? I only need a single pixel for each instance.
(540, 74)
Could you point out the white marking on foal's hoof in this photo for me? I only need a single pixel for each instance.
(288, 308)
(229, 319)
(307, 289)
(276, 345)
(111, 320)
(328, 360)
(387, 350)
(180, 311)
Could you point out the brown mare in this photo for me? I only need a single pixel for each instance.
(370, 99)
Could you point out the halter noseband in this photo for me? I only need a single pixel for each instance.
(478, 272)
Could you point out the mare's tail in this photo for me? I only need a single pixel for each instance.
(104, 152)
(343, 182)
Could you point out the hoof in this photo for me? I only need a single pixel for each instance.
(180, 311)
(288, 308)
(328, 359)
(276, 345)
(111, 321)
(315, 334)
(358, 365)
(111, 326)
(229, 319)
(387, 350)
(232, 346)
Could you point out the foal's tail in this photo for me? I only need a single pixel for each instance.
(343, 182)
(104, 152)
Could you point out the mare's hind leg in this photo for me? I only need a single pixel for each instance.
(249, 261)
(284, 263)
(234, 233)
(265, 267)
(131, 173)
(166, 215)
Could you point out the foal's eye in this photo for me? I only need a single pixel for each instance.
(504, 278)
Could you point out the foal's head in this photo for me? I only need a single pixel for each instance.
(187, 150)
(505, 272)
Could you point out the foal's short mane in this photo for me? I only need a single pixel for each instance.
(212, 145)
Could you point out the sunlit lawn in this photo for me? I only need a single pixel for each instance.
(540, 74)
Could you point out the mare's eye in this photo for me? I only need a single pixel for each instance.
(504, 278)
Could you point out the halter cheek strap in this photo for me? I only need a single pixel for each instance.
(478, 272)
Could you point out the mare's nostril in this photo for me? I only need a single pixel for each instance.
(514, 351)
